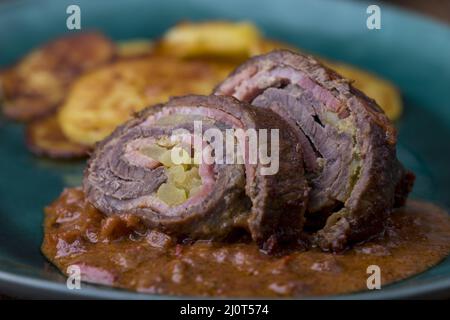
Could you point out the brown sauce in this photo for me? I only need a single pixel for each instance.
(119, 252)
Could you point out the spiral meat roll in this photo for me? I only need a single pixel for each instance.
(348, 143)
(169, 166)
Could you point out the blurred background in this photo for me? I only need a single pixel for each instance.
(439, 9)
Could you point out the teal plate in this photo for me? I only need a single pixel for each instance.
(409, 49)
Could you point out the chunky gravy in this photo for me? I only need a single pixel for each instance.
(119, 252)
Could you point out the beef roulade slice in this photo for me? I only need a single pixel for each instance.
(349, 149)
(130, 172)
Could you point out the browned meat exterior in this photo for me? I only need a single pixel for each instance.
(350, 146)
(121, 178)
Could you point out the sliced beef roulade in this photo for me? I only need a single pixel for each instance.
(349, 144)
(134, 171)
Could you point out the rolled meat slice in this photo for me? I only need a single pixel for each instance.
(349, 149)
(191, 196)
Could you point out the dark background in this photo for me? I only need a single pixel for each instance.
(438, 9)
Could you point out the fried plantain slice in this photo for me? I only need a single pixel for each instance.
(210, 38)
(39, 81)
(134, 48)
(100, 100)
(44, 137)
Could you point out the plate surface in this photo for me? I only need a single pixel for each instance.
(410, 50)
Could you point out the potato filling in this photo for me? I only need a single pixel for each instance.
(183, 178)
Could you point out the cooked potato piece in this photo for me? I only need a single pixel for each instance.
(39, 82)
(384, 92)
(171, 195)
(104, 98)
(180, 156)
(179, 178)
(212, 38)
(166, 159)
(45, 138)
(181, 183)
(176, 175)
(134, 48)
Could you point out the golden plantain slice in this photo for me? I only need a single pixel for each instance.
(39, 82)
(45, 138)
(211, 38)
(134, 48)
(101, 100)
